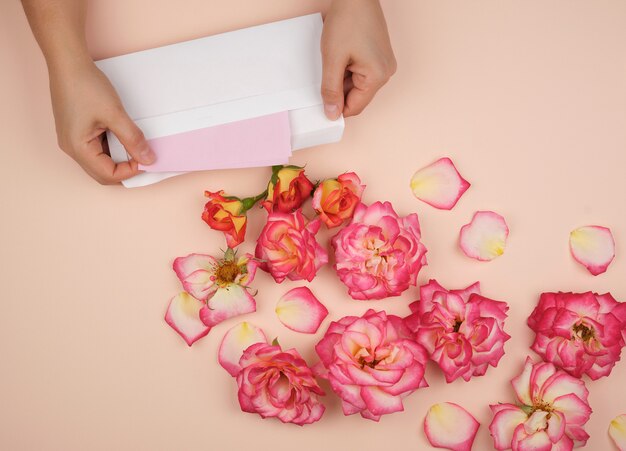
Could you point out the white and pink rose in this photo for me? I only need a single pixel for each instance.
(461, 330)
(379, 254)
(581, 333)
(372, 363)
(550, 415)
(278, 384)
(288, 249)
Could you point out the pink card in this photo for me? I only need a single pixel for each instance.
(260, 141)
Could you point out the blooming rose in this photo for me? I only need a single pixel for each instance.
(222, 284)
(371, 362)
(461, 330)
(379, 253)
(227, 215)
(288, 249)
(215, 290)
(580, 333)
(334, 200)
(288, 189)
(552, 413)
(277, 383)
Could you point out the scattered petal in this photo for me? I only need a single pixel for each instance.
(448, 425)
(299, 310)
(484, 238)
(235, 341)
(439, 184)
(593, 247)
(183, 315)
(617, 431)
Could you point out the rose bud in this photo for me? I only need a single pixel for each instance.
(287, 189)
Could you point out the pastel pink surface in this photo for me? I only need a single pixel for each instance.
(260, 141)
(531, 111)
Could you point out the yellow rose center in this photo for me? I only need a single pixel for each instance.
(227, 272)
(371, 364)
(544, 406)
(583, 332)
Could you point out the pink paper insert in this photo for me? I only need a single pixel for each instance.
(260, 141)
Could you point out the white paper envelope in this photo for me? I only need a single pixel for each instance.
(225, 78)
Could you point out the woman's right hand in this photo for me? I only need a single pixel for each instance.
(85, 105)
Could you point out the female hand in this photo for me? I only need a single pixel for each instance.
(85, 105)
(356, 54)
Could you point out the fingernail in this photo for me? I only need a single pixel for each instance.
(331, 111)
(147, 156)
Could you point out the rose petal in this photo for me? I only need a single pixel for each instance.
(521, 383)
(195, 272)
(576, 410)
(183, 315)
(484, 238)
(439, 184)
(593, 247)
(539, 441)
(506, 418)
(299, 310)
(379, 402)
(235, 341)
(617, 431)
(448, 425)
(227, 302)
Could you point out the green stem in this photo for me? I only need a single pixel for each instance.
(250, 202)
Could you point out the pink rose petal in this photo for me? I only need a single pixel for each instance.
(484, 238)
(507, 417)
(439, 184)
(195, 272)
(233, 300)
(617, 431)
(235, 341)
(593, 247)
(299, 310)
(448, 425)
(183, 315)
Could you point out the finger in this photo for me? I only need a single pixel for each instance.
(348, 84)
(101, 167)
(333, 71)
(361, 94)
(131, 138)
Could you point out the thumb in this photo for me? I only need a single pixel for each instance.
(132, 138)
(333, 70)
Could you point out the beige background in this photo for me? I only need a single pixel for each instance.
(528, 98)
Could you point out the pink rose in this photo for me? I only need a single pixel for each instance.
(371, 363)
(461, 330)
(334, 200)
(379, 254)
(579, 333)
(277, 383)
(551, 415)
(216, 289)
(288, 249)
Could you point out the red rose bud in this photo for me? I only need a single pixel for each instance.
(226, 214)
(334, 200)
(287, 190)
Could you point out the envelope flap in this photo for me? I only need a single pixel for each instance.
(254, 61)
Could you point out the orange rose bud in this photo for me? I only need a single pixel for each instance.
(287, 190)
(334, 200)
(227, 215)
